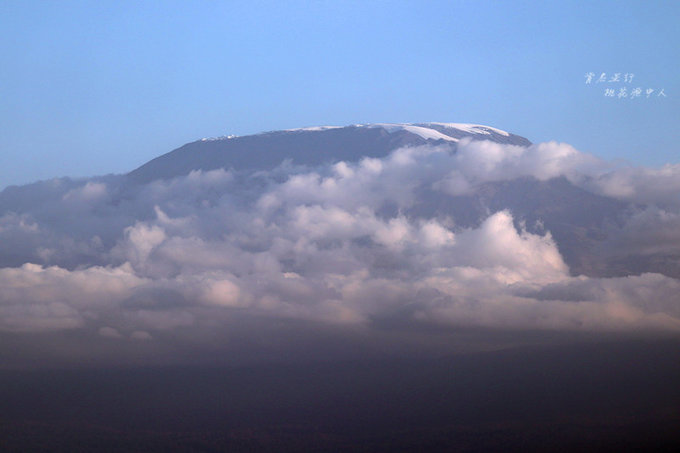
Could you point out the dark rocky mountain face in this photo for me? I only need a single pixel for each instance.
(310, 147)
(578, 220)
(405, 228)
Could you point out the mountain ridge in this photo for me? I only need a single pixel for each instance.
(311, 146)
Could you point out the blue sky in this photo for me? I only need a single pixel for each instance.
(91, 88)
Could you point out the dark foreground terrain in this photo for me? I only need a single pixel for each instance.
(622, 396)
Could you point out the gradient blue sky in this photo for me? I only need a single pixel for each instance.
(90, 88)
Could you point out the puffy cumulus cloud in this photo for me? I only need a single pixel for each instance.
(91, 191)
(517, 256)
(140, 240)
(478, 162)
(371, 182)
(337, 244)
(12, 221)
(641, 185)
(37, 298)
(221, 292)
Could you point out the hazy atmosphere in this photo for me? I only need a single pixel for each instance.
(312, 226)
(419, 236)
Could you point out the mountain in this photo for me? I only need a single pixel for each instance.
(311, 146)
(377, 225)
(428, 282)
(574, 216)
(581, 220)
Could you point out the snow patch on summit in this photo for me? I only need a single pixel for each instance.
(420, 130)
(313, 128)
(429, 133)
(473, 128)
(424, 132)
(215, 139)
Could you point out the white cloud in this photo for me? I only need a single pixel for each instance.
(641, 185)
(90, 192)
(478, 162)
(337, 244)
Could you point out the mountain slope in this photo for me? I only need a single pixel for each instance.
(311, 146)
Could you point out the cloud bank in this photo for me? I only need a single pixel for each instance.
(349, 243)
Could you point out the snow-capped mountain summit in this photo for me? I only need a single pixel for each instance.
(458, 224)
(312, 146)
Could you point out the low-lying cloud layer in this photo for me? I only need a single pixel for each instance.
(352, 243)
